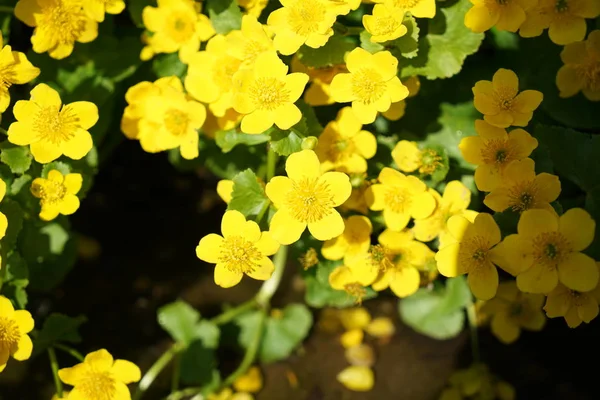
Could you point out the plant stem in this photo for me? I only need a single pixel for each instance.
(7, 9)
(72, 352)
(54, 367)
(263, 211)
(155, 370)
(271, 164)
(4, 131)
(176, 373)
(472, 317)
(230, 314)
(268, 289)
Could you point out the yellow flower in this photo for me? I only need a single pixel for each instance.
(385, 24)
(381, 327)
(301, 22)
(99, 376)
(354, 318)
(266, 94)
(355, 240)
(454, 201)
(251, 381)
(57, 194)
(243, 249)
(14, 327)
(343, 7)
(344, 146)
(53, 129)
(176, 26)
(371, 85)
(357, 378)
(512, 310)
(96, 9)
(502, 104)
(417, 8)
(477, 382)
(3, 219)
(213, 124)
(357, 200)
(14, 69)
(409, 158)
(504, 15)
(469, 249)
(253, 7)
(492, 150)
(400, 197)
(319, 91)
(249, 42)
(58, 25)
(225, 190)
(361, 355)
(581, 69)
(352, 338)
(547, 250)
(306, 198)
(564, 18)
(398, 109)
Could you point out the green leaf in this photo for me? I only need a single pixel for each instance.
(309, 124)
(20, 183)
(60, 166)
(16, 268)
(248, 196)
(368, 45)
(198, 361)
(225, 15)
(332, 53)
(442, 166)
(14, 215)
(15, 291)
(18, 158)
(407, 46)
(285, 143)
(135, 8)
(168, 65)
(448, 42)
(227, 140)
(58, 328)
(180, 320)
(438, 314)
(504, 40)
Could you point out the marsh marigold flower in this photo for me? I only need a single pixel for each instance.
(319, 89)
(385, 24)
(492, 150)
(512, 310)
(581, 69)
(301, 22)
(99, 376)
(243, 249)
(51, 128)
(343, 7)
(504, 15)
(14, 69)
(469, 249)
(253, 7)
(57, 194)
(354, 241)
(249, 42)
(501, 103)
(547, 250)
(344, 145)
(371, 85)
(357, 378)
(343, 278)
(564, 19)
(251, 381)
(266, 94)
(175, 26)
(14, 327)
(96, 9)
(400, 197)
(410, 158)
(3, 219)
(58, 25)
(306, 198)
(417, 8)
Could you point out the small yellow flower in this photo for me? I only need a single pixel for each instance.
(253, 7)
(469, 249)
(225, 190)
(3, 219)
(385, 24)
(266, 94)
(371, 85)
(51, 128)
(96, 9)
(251, 381)
(400, 197)
(14, 327)
(213, 124)
(547, 250)
(99, 376)
(306, 198)
(343, 278)
(409, 158)
(454, 201)
(249, 42)
(176, 26)
(581, 69)
(14, 69)
(354, 318)
(355, 240)
(357, 200)
(243, 249)
(58, 25)
(492, 150)
(356, 378)
(309, 259)
(504, 15)
(501, 103)
(381, 327)
(57, 194)
(319, 90)
(301, 22)
(565, 19)
(344, 145)
(512, 310)
(352, 338)
(417, 8)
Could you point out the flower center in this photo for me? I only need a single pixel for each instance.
(309, 259)
(63, 21)
(55, 126)
(7, 76)
(380, 257)
(523, 196)
(473, 253)
(430, 161)
(385, 25)
(310, 200)
(239, 255)
(252, 49)
(368, 85)
(356, 290)
(398, 199)
(578, 299)
(269, 93)
(550, 248)
(180, 26)
(176, 122)
(497, 151)
(97, 386)
(223, 72)
(305, 16)
(503, 97)
(516, 309)
(9, 334)
(562, 6)
(590, 74)
(50, 192)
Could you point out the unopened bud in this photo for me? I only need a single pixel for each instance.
(309, 143)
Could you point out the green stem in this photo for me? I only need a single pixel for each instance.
(230, 314)
(4, 131)
(69, 350)
(7, 9)
(185, 393)
(472, 317)
(155, 370)
(347, 30)
(263, 211)
(125, 74)
(176, 373)
(268, 289)
(271, 164)
(54, 367)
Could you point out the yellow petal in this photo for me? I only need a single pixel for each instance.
(335, 249)
(558, 302)
(101, 360)
(567, 30)
(357, 378)
(263, 271)
(45, 152)
(457, 226)
(69, 204)
(6, 308)
(480, 19)
(78, 146)
(578, 272)
(588, 310)
(572, 318)
(527, 101)
(352, 338)
(251, 382)
(277, 190)
(126, 371)
(422, 205)
(407, 156)
(548, 187)
(269, 65)
(209, 248)
(513, 254)
(537, 279)
(569, 81)
(339, 186)
(533, 222)
(328, 227)
(578, 227)
(285, 229)
(226, 278)
(483, 281)
(395, 221)
(24, 321)
(232, 222)
(73, 183)
(86, 112)
(287, 116)
(457, 196)
(303, 164)
(447, 261)
(45, 96)
(506, 79)
(72, 375)
(381, 327)
(375, 197)
(504, 328)
(258, 121)
(295, 84)
(267, 244)
(405, 282)
(341, 88)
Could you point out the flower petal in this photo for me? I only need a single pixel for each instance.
(267, 244)
(69, 204)
(287, 116)
(209, 248)
(303, 164)
(126, 371)
(513, 254)
(24, 321)
(79, 145)
(405, 282)
(504, 328)
(328, 227)
(578, 272)
(537, 279)
(100, 360)
(578, 227)
(263, 271)
(339, 186)
(277, 189)
(232, 222)
(86, 112)
(447, 261)
(45, 96)
(285, 229)
(226, 278)
(533, 222)
(483, 281)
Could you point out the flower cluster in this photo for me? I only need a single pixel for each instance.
(477, 382)
(581, 69)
